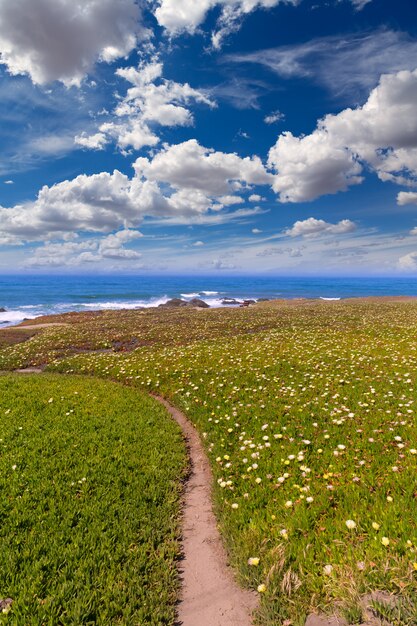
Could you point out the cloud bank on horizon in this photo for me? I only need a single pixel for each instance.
(242, 125)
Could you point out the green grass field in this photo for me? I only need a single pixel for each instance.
(308, 414)
(90, 488)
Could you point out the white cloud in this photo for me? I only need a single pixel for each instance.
(183, 183)
(348, 65)
(62, 39)
(189, 165)
(310, 166)
(407, 197)
(9, 182)
(313, 227)
(152, 100)
(222, 264)
(230, 200)
(198, 244)
(53, 254)
(359, 4)
(382, 133)
(98, 141)
(112, 246)
(255, 197)
(256, 231)
(275, 116)
(408, 262)
(293, 253)
(178, 16)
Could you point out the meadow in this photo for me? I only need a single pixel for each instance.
(89, 508)
(307, 411)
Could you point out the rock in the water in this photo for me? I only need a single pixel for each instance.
(174, 303)
(2, 310)
(230, 301)
(263, 300)
(198, 303)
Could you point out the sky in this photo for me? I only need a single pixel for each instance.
(208, 136)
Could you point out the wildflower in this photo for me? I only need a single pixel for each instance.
(284, 533)
(350, 524)
(385, 541)
(258, 480)
(327, 570)
(375, 526)
(415, 567)
(310, 499)
(261, 588)
(235, 505)
(389, 499)
(413, 451)
(253, 560)
(288, 504)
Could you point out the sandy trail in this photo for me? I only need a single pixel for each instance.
(210, 596)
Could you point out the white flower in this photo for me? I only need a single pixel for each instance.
(350, 524)
(327, 570)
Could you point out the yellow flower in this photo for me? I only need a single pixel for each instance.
(415, 566)
(261, 588)
(375, 526)
(253, 560)
(385, 541)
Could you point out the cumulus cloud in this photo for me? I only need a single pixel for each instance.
(310, 166)
(349, 65)
(407, 197)
(189, 165)
(152, 100)
(61, 39)
(382, 134)
(408, 262)
(255, 197)
(183, 182)
(178, 16)
(53, 254)
(312, 227)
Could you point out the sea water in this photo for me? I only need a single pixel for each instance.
(28, 296)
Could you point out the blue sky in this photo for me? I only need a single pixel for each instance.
(208, 136)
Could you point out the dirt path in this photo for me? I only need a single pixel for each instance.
(210, 596)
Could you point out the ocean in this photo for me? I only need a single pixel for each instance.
(27, 297)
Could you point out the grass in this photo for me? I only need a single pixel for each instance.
(89, 508)
(307, 411)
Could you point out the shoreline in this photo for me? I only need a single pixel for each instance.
(38, 320)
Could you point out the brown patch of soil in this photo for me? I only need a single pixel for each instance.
(210, 596)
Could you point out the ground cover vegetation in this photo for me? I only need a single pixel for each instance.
(89, 511)
(307, 411)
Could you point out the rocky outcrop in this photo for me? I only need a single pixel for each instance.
(200, 304)
(2, 310)
(228, 301)
(174, 303)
